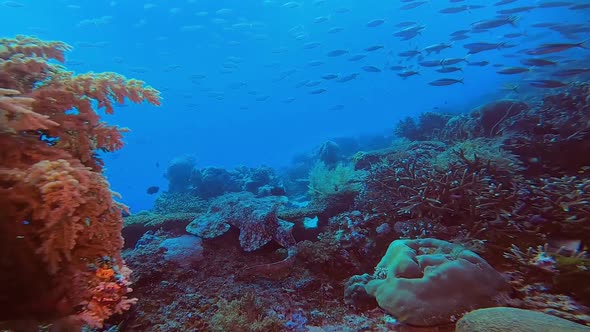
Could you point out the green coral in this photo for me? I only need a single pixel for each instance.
(248, 314)
(325, 181)
(151, 219)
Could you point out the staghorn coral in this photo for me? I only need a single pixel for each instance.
(555, 205)
(60, 235)
(487, 151)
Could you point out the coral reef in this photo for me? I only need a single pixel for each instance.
(484, 208)
(61, 230)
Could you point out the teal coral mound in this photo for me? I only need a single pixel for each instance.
(516, 320)
(428, 282)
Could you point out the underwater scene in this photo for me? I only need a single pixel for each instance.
(305, 165)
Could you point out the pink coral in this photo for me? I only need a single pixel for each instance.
(59, 218)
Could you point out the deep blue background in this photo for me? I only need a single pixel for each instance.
(221, 119)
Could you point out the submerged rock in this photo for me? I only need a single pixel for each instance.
(257, 220)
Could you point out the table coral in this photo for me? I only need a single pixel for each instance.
(61, 225)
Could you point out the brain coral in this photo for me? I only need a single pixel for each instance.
(429, 282)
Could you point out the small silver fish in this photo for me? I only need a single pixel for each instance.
(554, 48)
(335, 53)
(446, 81)
(547, 84)
(375, 23)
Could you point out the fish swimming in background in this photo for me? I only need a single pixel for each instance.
(454, 10)
(371, 69)
(311, 45)
(317, 92)
(320, 19)
(513, 70)
(347, 78)
(329, 76)
(554, 48)
(13, 4)
(412, 5)
(437, 48)
(553, 4)
(405, 24)
(538, 62)
(516, 10)
(335, 29)
(342, 10)
(478, 63)
(335, 53)
(571, 72)
(452, 61)
(374, 48)
(408, 73)
(152, 190)
(510, 87)
(410, 53)
(291, 5)
(430, 63)
(580, 6)
(495, 23)
(547, 84)
(504, 2)
(514, 35)
(375, 23)
(449, 69)
(446, 81)
(409, 33)
(475, 48)
(357, 57)
(397, 67)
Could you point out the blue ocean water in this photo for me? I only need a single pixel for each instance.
(242, 80)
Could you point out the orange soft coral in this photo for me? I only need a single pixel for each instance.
(57, 213)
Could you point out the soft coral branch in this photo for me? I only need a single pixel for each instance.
(61, 227)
